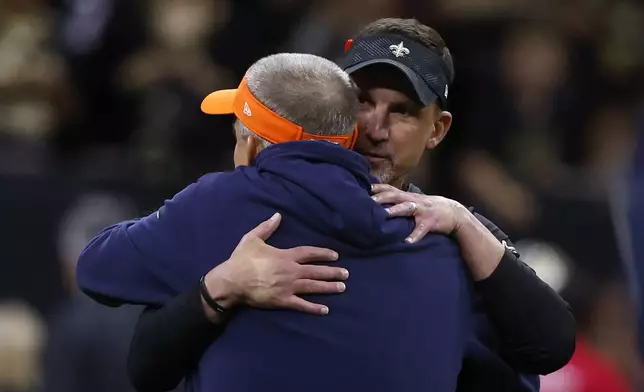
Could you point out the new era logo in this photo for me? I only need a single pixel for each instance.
(446, 91)
(247, 109)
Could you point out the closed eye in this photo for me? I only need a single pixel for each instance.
(364, 98)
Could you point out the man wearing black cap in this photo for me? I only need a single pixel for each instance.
(523, 325)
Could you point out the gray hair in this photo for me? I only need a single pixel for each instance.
(307, 90)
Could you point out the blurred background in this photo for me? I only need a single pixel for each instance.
(100, 122)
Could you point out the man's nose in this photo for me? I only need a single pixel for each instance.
(377, 125)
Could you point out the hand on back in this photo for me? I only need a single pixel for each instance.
(259, 275)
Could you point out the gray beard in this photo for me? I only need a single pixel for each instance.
(386, 175)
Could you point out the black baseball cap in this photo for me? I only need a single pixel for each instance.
(425, 69)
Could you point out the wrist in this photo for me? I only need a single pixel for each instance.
(481, 250)
(220, 289)
(462, 217)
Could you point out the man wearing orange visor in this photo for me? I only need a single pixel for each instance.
(262, 121)
(295, 125)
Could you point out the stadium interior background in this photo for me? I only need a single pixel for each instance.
(100, 121)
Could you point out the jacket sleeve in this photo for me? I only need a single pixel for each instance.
(143, 261)
(535, 325)
(168, 343)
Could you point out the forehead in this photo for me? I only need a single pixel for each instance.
(386, 77)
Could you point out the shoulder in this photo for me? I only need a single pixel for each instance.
(228, 180)
(192, 197)
(213, 179)
(212, 191)
(212, 184)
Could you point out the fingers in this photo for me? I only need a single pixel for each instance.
(392, 197)
(420, 231)
(308, 254)
(297, 303)
(308, 286)
(322, 272)
(407, 208)
(410, 208)
(379, 188)
(265, 229)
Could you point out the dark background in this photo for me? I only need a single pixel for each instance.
(100, 121)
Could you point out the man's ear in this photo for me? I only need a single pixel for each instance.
(252, 149)
(441, 126)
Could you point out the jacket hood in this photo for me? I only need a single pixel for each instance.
(328, 188)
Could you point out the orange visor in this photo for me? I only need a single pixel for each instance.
(261, 120)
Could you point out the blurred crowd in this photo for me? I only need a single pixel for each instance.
(100, 121)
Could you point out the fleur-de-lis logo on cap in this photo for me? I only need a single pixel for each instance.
(399, 50)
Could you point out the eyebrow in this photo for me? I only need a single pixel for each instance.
(410, 106)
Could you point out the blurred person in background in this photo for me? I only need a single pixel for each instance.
(611, 144)
(22, 334)
(88, 343)
(606, 357)
(540, 143)
(171, 73)
(236, 46)
(516, 151)
(94, 37)
(330, 22)
(388, 100)
(32, 77)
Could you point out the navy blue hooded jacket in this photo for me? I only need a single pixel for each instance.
(402, 324)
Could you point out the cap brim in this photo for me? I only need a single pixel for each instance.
(219, 102)
(425, 94)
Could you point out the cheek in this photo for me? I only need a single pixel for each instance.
(408, 141)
